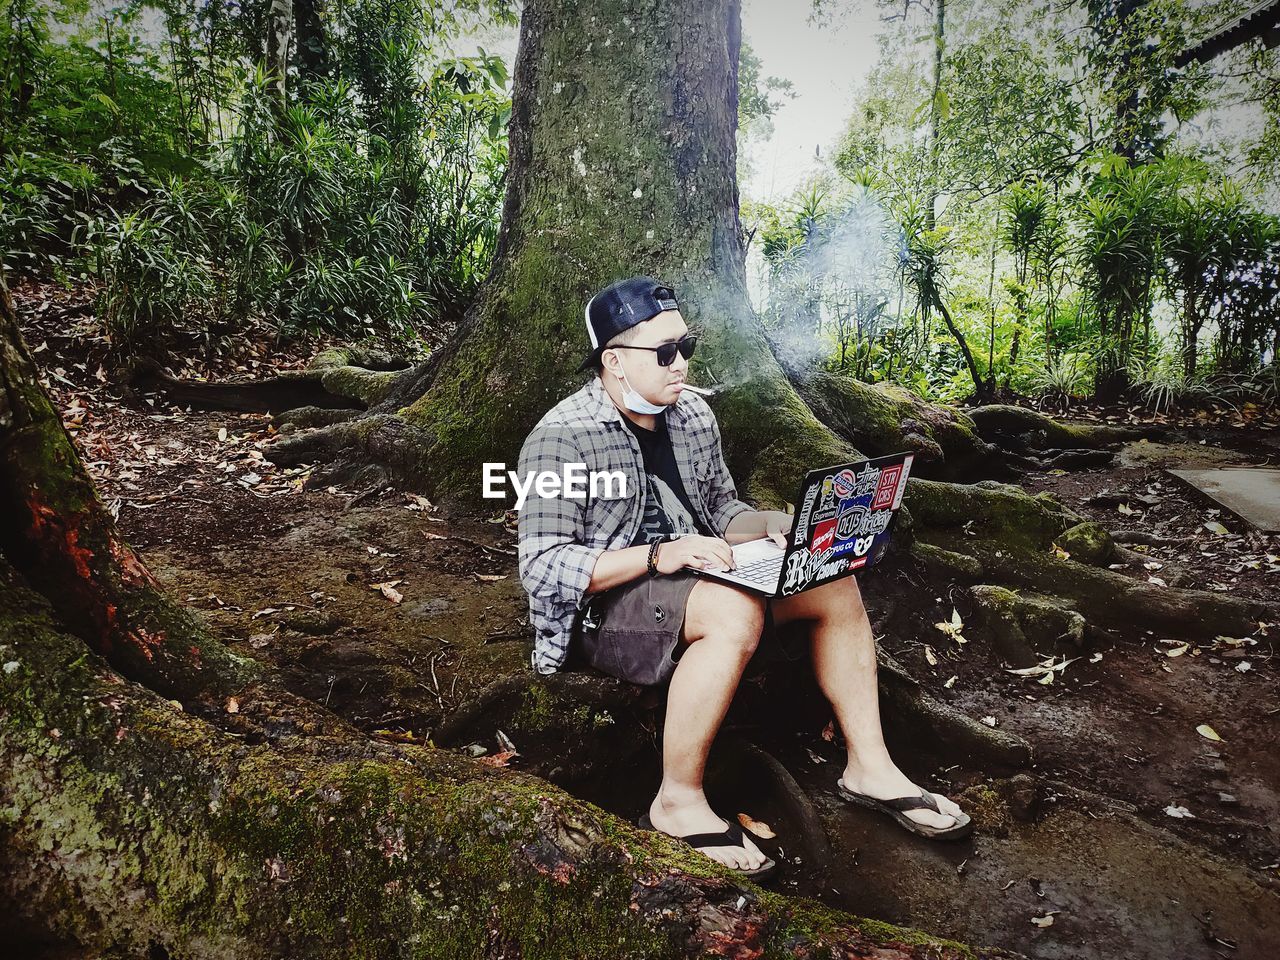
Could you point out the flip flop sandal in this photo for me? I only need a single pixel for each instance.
(896, 808)
(731, 837)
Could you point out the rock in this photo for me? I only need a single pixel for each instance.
(1023, 796)
(315, 623)
(1087, 542)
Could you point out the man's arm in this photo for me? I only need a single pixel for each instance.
(616, 567)
(555, 562)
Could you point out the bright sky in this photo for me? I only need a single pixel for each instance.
(824, 63)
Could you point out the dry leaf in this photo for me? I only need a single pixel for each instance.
(761, 830)
(829, 732)
(989, 721)
(498, 759)
(222, 434)
(389, 590)
(1180, 813)
(1213, 526)
(930, 656)
(1209, 733)
(1045, 921)
(1177, 651)
(233, 705)
(951, 683)
(506, 743)
(490, 577)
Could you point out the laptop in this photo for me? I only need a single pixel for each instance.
(842, 524)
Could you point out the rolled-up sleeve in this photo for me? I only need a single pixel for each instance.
(555, 562)
(722, 496)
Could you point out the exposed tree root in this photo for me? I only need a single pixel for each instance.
(1027, 627)
(1023, 429)
(55, 530)
(334, 379)
(799, 810)
(141, 828)
(905, 701)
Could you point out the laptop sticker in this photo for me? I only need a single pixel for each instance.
(824, 536)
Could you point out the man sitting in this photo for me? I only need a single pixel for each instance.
(610, 575)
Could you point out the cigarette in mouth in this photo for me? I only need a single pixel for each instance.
(700, 390)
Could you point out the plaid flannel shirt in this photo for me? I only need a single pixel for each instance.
(561, 538)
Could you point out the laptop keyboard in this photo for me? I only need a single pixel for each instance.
(764, 570)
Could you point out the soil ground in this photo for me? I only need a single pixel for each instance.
(1133, 833)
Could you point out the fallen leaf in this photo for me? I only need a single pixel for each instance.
(989, 721)
(1177, 651)
(1244, 666)
(491, 577)
(222, 434)
(761, 830)
(1213, 526)
(1209, 733)
(951, 683)
(233, 705)
(1045, 921)
(388, 590)
(506, 743)
(1180, 813)
(930, 656)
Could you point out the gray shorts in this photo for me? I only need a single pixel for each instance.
(632, 631)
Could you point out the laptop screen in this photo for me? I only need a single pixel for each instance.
(844, 520)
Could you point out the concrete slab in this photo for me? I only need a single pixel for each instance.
(1251, 493)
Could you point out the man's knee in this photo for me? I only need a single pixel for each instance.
(718, 610)
(837, 600)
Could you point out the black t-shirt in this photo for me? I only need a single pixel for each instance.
(667, 509)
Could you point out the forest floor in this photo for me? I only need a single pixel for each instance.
(1138, 838)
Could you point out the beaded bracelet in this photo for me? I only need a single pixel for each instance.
(652, 564)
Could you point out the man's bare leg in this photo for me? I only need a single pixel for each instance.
(844, 660)
(722, 627)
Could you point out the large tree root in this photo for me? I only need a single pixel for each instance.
(995, 533)
(136, 827)
(1021, 429)
(57, 532)
(334, 379)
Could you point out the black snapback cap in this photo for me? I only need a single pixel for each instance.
(620, 306)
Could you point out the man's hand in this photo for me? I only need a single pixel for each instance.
(773, 524)
(699, 552)
(777, 525)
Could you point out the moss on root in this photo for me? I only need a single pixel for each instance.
(129, 822)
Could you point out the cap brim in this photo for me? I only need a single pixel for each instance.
(591, 359)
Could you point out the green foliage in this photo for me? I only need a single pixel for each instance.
(360, 192)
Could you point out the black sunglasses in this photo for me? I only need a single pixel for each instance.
(666, 352)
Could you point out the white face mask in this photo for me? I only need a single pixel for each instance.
(632, 400)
